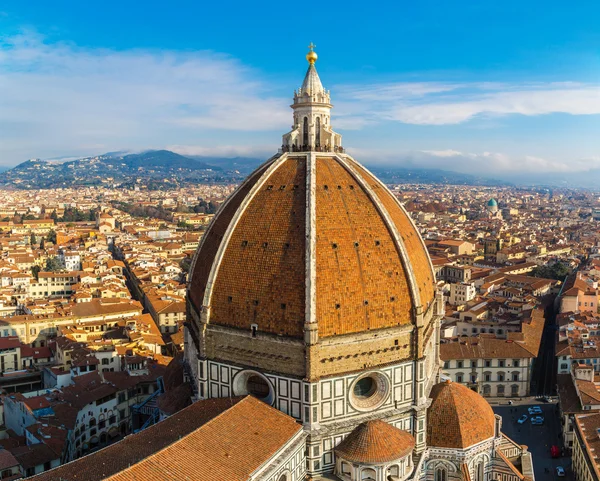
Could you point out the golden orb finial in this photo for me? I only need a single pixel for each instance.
(312, 55)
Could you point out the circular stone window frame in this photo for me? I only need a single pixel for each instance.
(375, 400)
(240, 385)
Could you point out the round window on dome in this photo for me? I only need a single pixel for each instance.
(258, 387)
(255, 384)
(369, 391)
(365, 387)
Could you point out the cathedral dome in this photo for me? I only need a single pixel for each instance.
(375, 442)
(458, 417)
(311, 238)
(312, 268)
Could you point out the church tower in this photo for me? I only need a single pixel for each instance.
(313, 291)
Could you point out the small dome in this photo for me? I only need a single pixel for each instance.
(458, 417)
(375, 442)
(493, 203)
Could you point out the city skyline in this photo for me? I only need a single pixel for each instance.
(481, 89)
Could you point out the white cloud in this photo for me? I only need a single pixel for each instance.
(475, 162)
(259, 151)
(58, 99)
(442, 104)
(64, 99)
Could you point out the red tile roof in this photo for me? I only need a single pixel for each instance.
(231, 447)
(219, 439)
(375, 442)
(10, 342)
(458, 417)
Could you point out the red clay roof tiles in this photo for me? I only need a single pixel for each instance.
(458, 417)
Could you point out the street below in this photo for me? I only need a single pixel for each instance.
(538, 438)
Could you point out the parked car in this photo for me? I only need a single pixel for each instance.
(560, 471)
(535, 410)
(522, 419)
(537, 420)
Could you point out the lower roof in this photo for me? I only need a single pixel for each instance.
(225, 438)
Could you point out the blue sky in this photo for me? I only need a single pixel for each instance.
(485, 87)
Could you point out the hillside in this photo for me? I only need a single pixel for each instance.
(151, 167)
(162, 169)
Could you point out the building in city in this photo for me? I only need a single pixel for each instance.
(461, 293)
(586, 441)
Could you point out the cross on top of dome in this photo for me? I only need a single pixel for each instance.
(312, 56)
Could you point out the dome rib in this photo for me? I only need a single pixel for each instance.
(375, 442)
(414, 244)
(458, 417)
(203, 260)
(402, 251)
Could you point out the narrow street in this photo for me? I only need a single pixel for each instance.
(543, 379)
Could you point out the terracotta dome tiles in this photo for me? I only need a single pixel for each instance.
(361, 282)
(416, 251)
(458, 417)
(214, 235)
(261, 279)
(375, 442)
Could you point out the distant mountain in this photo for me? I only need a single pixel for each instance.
(161, 169)
(244, 165)
(163, 159)
(153, 168)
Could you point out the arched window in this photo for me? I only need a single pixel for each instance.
(394, 470)
(305, 132)
(283, 477)
(440, 474)
(318, 133)
(479, 471)
(514, 390)
(500, 390)
(368, 475)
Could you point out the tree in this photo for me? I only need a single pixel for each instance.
(51, 237)
(557, 271)
(35, 270)
(185, 264)
(32, 239)
(42, 244)
(54, 216)
(53, 264)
